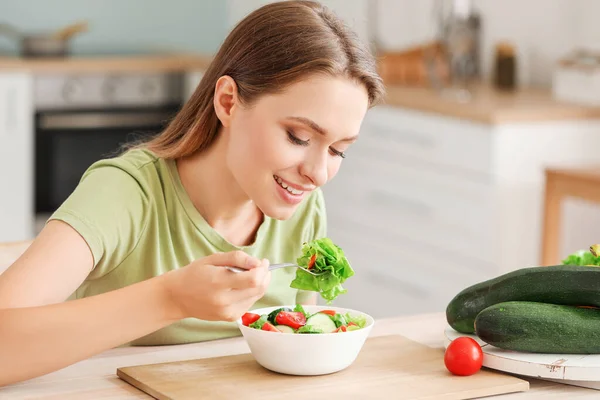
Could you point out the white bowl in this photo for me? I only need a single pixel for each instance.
(306, 354)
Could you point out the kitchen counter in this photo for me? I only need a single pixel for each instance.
(491, 106)
(106, 63)
(96, 377)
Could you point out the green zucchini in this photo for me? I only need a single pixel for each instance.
(560, 284)
(540, 328)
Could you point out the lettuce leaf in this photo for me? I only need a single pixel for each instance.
(581, 257)
(258, 324)
(359, 320)
(328, 258)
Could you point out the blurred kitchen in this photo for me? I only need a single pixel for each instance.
(447, 185)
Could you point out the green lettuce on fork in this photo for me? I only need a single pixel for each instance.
(322, 255)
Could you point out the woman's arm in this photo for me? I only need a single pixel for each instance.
(40, 333)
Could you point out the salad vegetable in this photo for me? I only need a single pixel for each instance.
(286, 320)
(583, 257)
(323, 256)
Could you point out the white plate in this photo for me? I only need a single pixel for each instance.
(571, 369)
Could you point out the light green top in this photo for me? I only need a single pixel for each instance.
(139, 222)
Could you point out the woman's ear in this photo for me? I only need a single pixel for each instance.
(226, 98)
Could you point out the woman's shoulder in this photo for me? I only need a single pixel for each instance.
(128, 161)
(140, 167)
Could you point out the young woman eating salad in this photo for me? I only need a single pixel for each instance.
(135, 255)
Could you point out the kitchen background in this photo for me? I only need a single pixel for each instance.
(444, 189)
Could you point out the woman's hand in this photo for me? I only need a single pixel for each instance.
(205, 290)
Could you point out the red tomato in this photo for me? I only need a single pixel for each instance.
(292, 319)
(249, 318)
(268, 327)
(341, 329)
(463, 356)
(328, 312)
(311, 263)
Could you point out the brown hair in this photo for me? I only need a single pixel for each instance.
(273, 47)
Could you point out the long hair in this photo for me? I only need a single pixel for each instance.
(271, 48)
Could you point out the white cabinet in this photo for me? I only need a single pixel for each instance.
(16, 157)
(425, 205)
(191, 80)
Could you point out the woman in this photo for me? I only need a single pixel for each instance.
(138, 249)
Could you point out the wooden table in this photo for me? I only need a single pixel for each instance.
(560, 184)
(96, 378)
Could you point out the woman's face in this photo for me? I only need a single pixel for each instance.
(288, 144)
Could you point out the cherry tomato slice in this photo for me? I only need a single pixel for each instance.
(249, 318)
(290, 318)
(311, 263)
(269, 327)
(328, 312)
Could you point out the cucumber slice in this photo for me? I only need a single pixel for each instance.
(285, 328)
(322, 322)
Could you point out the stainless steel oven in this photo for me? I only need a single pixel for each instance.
(82, 119)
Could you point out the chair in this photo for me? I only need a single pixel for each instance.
(561, 183)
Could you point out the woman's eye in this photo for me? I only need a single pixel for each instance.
(296, 140)
(337, 152)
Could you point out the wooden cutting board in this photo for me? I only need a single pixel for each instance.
(388, 366)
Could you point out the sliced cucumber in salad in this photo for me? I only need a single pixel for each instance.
(321, 323)
(286, 320)
(285, 329)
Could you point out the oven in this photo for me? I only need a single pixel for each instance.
(82, 119)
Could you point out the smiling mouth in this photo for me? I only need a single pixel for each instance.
(284, 185)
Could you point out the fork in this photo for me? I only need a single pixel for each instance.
(277, 266)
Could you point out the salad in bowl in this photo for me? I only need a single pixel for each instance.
(298, 320)
(308, 340)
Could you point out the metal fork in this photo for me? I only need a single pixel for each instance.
(277, 266)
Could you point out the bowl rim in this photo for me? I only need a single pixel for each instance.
(368, 326)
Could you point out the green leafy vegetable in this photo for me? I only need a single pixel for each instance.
(339, 320)
(299, 308)
(258, 324)
(359, 320)
(583, 257)
(322, 255)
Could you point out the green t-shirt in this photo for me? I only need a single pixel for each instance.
(139, 222)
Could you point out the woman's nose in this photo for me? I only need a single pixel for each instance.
(315, 169)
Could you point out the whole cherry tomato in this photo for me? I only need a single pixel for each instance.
(463, 356)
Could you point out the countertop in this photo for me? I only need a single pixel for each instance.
(487, 105)
(117, 63)
(96, 377)
(491, 106)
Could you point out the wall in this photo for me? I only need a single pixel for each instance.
(123, 25)
(542, 30)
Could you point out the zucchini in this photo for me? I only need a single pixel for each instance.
(540, 328)
(559, 284)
